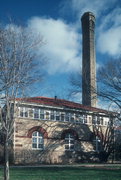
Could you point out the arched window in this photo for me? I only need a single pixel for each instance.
(97, 144)
(69, 142)
(37, 140)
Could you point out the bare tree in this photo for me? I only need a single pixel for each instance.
(105, 138)
(109, 82)
(18, 71)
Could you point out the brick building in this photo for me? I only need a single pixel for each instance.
(52, 130)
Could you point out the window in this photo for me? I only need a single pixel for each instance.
(57, 115)
(42, 114)
(36, 113)
(31, 113)
(85, 119)
(77, 118)
(89, 119)
(69, 142)
(98, 120)
(67, 117)
(97, 144)
(26, 112)
(21, 112)
(72, 117)
(106, 121)
(37, 140)
(94, 119)
(47, 115)
(101, 120)
(80, 118)
(52, 117)
(62, 116)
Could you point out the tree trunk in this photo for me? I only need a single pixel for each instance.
(6, 156)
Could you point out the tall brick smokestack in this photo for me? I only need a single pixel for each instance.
(88, 60)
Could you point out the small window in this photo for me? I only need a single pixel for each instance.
(67, 117)
(62, 116)
(37, 140)
(80, 118)
(52, 115)
(94, 119)
(57, 116)
(21, 112)
(77, 118)
(31, 113)
(72, 117)
(42, 114)
(85, 119)
(97, 144)
(36, 113)
(101, 120)
(69, 142)
(26, 112)
(106, 121)
(47, 115)
(98, 120)
(90, 120)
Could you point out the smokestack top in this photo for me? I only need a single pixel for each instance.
(88, 16)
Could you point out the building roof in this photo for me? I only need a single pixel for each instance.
(55, 102)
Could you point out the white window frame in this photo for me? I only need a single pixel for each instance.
(57, 114)
(36, 109)
(85, 119)
(69, 144)
(38, 137)
(62, 115)
(46, 111)
(42, 114)
(24, 111)
(52, 113)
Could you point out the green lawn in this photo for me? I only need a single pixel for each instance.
(64, 173)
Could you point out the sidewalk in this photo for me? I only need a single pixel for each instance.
(70, 165)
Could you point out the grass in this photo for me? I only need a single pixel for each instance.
(64, 173)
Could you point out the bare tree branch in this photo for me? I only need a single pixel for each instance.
(18, 70)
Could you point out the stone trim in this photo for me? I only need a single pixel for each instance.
(69, 131)
(39, 129)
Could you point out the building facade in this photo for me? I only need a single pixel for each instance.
(51, 130)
